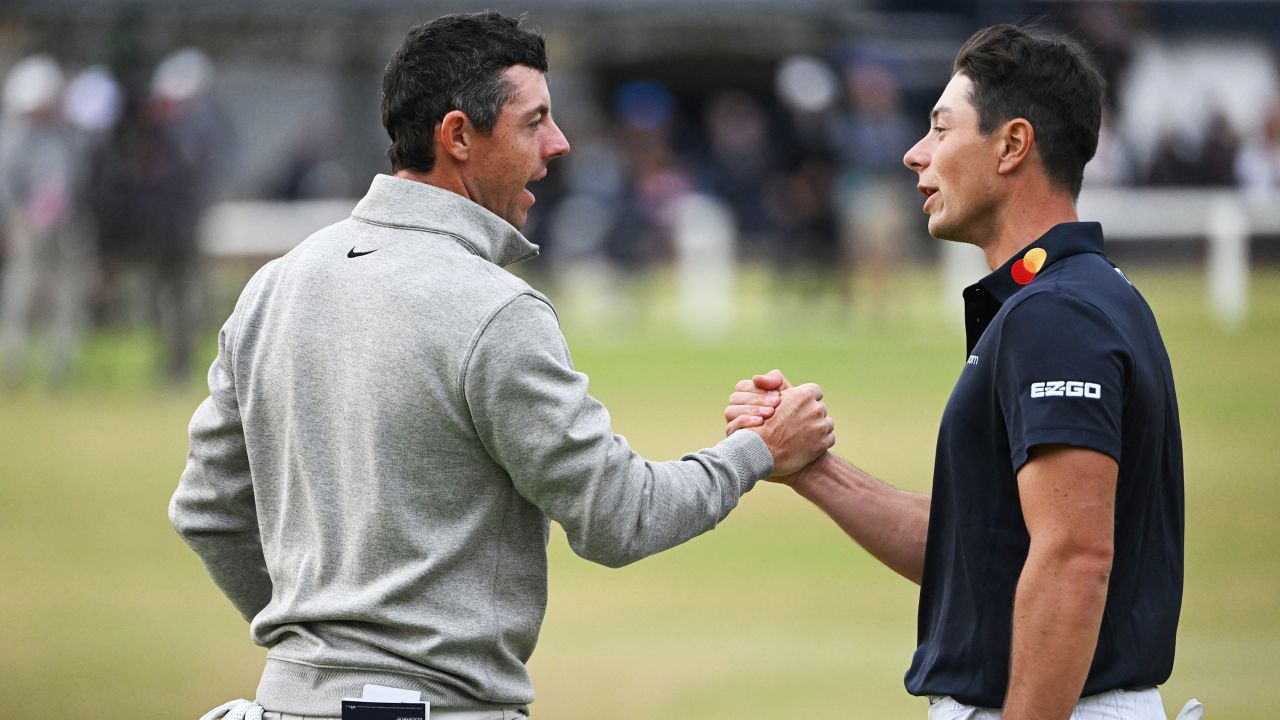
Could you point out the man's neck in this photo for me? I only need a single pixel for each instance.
(437, 177)
(1023, 219)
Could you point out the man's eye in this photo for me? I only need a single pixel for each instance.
(938, 128)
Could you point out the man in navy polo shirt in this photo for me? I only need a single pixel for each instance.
(1050, 553)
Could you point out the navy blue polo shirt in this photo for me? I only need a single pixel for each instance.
(1062, 350)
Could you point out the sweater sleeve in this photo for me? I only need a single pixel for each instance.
(213, 508)
(535, 418)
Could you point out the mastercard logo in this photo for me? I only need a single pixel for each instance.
(1024, 271)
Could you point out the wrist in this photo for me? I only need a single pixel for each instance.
(806, 479)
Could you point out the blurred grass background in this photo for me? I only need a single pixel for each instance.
(774, 615)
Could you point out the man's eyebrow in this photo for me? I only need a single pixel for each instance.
(940, 110)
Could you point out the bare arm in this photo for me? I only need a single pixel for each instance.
(1068, 501)
(533, 413)
(889, 523)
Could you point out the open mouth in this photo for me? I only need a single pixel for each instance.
(533, 181)
(928, 192)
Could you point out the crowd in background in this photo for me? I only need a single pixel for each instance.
(101, 196)
(102, 186)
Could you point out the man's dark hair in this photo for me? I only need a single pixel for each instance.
(455, 62)
(1047, 80)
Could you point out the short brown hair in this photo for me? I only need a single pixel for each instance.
(1047, 80)
(455, 62)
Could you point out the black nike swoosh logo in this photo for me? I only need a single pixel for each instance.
(353, 254)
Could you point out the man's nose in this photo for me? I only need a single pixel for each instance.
(916, 158)
(558, 144)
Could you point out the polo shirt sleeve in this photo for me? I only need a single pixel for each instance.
(1061, 376)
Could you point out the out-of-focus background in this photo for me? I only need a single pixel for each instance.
(735, 201)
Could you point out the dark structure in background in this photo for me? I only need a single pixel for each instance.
(790, 114)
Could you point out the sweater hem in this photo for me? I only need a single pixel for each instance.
(299, 688)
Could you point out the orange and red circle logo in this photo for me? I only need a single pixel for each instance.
(1024, 271)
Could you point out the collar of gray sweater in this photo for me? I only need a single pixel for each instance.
(397, 202)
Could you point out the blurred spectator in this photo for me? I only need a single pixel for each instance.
(160, 180)
(1209, 160)
(188, 146)
(739, 160)
(312, 169)
(876, 195)
(1109, 29)
(1258, 164)
(801, 196)
(1174, 160)
(657, 177)
(42, 173)
(94, 104)
(1218, 152)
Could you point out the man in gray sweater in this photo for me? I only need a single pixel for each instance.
(393, 418)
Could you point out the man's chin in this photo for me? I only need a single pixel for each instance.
(519, 215)
(938, 229)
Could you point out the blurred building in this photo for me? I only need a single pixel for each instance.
(665, 99)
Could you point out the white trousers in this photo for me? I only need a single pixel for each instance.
(1112, 705)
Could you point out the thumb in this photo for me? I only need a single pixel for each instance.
(772, 380)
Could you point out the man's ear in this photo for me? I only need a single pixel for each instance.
(1017, 137)
(454, 135)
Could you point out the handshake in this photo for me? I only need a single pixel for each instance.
(792, 420)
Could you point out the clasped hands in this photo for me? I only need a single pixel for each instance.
(792, 421)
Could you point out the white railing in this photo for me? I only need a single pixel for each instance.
(265, 229)
(1225, 219)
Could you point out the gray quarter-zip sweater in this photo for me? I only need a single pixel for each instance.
(392, 420)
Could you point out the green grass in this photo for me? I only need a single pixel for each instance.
(774, 615)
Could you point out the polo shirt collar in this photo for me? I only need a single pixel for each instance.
(983, 299)
(1061, 241)
(397, 202)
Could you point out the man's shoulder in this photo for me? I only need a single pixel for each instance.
(1042, 318)
(1084, 283)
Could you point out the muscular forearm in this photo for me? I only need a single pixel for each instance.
(890, 524)
(1056, 616)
